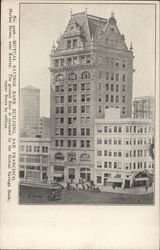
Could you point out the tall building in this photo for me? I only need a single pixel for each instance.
(44, 127)
(91, 70)
(143, 107)
(122, 150)
(29, 110)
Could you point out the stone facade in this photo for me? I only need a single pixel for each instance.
(91, 69)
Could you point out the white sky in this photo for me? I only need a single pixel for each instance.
(40, 24)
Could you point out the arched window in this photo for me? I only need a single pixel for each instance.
(85, 75)
(84, 157)
(59, 77)
(59, 156)
(72, 77)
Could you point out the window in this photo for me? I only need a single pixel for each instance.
(74, 131)
(87, 109)
(82, 86)
(107, 61)
(112, 62)
(28, 148)
(87, 98)
(112, 76)
(87, 131)
(99, 179)
(57, 99)
(56, 63)
(107, 86)
(99, 141)
(119, 129)
(59, 78)
(62, 62)
(74, 43)
(100, 109)
(82, 109)
(123, 64)
(69, 44)
(117, 77)
(123, 77)
(74, 109)
(107, 75)
(69, 109)
(117, 88)
(56, 143)
(105, 141)
(82, 131)
(74, 98)
(61, 131)
(74, 87)
(99, 86)
(82, 144)
(74, 143)
(82, 98)
(99, 129)
(112, 87)
(69, 120)
(85, 75)
(87, 143)
(112, 98)
(123, 98)
(105, 152)
(57, 88)
(69, 61)
(123, 87)
(99, 152)
(88, 60)
(71, 173)
(100, 75)
(105, 129)
(69, 87)
(87, 86)
(69, 143)
(72, 77)
(100, 60)
(61, 110)
(99, 164)
(61, 99)
(83, 59)
(44, 149)
(117, 98)
(117, 64)
(69, 131)
(59, 156)
(62, 88)
(75, 61)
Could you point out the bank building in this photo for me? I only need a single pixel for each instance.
(91, 70)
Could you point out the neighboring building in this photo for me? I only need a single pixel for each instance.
(91, 69)
(44, 127)
(34, 159)
(29, 111)
(143, 107)
(122, 150)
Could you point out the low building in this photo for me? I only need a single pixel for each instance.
(122, 150)
(34, 159)
(143, 107)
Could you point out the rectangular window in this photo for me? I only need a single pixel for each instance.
(69, 87)
(99, 141)
(107, 98)
(74, 143)
(99, 179)
(87, 86)
(57, 88)
(82, 86)
(61, 110)
(87, 109)
(87, 144)
(69, 131)
(82, 109)
(100, 109)
(99, 153)
(74, 87)
(112, 98)
(107, 75)
(88, 59)
(62, 62)
(69, 143)
(87, 131)
(69, 120)
(112, 87)
(117, 77)
(82, 98)
(74, 43)
(56, 63)
(82, 144)
(74, 131)
(105, 152)
(74, 98)
(74, 109)
(112, 76)
(56, 143)
(117, 99)
(69, 109)
(82, 131)
(69, 44)
(61, 131)
(117, 87)
(62, 99)
(99, 86)
(62, 88)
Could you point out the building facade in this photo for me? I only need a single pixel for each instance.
(29, 111)
(91, 69)
(34, 159)
(122, 150)
(143, 107)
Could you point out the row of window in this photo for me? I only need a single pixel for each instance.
(85, 59)
(118, 141)
(86, 75)
(127, 166)
(37, 149)
(73, 87)
(72, 143)
(127, 129)
(126, 153)
(72, 109)
(34, 159)
(113, 63)
(73, 131)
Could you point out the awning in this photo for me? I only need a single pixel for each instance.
(58, 175)
(141, 179)
(117, 180)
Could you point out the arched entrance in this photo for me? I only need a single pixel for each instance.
(140, 179)
(85, 174)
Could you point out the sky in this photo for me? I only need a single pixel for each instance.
(40, 24)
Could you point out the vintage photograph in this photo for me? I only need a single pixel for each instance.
(87, 103)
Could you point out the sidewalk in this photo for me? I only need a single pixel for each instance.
(135, 190)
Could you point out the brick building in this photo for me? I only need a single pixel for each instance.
(91, 69)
